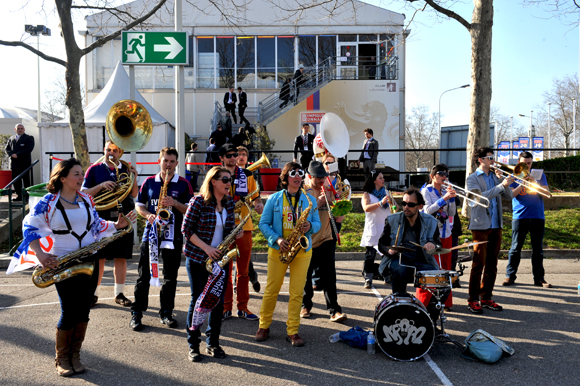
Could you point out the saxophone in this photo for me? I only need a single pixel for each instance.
(297, 240)
(162, 212)
(75, 263)
(240, 204)
(225, 255)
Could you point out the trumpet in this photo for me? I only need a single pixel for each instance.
(473, 197)
(520, 173)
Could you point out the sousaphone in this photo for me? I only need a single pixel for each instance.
(129, 127)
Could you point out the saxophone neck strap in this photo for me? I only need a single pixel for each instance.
(67, 222)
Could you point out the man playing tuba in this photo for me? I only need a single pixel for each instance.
(103, 177)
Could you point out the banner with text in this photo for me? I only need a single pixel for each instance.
(516, 151)
(538, 146)
(504, 152)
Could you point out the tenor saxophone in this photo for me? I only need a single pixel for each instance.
(297, 240)
(75, 263)
(225, 254)
(240, 204)
(162, 212)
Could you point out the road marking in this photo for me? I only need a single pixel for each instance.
(428, 359)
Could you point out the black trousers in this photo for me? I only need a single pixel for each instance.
(243, 119)
(232, 109)
(24, 181)
(323, 259)
(171, 261)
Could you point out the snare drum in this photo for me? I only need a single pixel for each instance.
(433, 279)
(454, 277)
(403, 329)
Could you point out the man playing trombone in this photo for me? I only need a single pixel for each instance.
(486, 224)
(528, 217)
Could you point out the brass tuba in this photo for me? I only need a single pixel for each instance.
(75, 263)
(297, 240)
(129, 127)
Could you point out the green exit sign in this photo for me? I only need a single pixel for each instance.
(155, 48)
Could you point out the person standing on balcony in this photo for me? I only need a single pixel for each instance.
(242, 105)
(303, 144)
(230, 100)
(19, 147)
(285, 93)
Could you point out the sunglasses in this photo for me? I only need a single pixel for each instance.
(409, 204)
(231, 155)
(225, 180)
(489, 157)
(296, 172)
(328, 163)
(443, 174)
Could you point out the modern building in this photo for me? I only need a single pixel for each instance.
(354, 63)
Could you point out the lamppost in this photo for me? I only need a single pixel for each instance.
(574, 123)
(456, 88)
(37, 31)
(549, 133)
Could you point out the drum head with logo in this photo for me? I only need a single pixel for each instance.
(403, 328)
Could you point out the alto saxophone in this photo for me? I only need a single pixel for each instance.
(74, 263)
(225, 254)
(297, 240)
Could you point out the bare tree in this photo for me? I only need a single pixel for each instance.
(74, 53)
(504, 129)
(421, 132)
(55, 98)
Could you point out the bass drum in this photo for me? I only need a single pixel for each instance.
(403, 328)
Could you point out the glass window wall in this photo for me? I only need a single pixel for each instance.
(285, 58)
(245, 55)
(205, 62)
(226, 59)
(307, 50)
(266, 51)
(326, 47)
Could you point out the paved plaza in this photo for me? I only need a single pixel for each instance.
(542, 325)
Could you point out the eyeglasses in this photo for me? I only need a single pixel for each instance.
(409, 204)
(489, 157)
(328, 163)
(225, 180)
(296, 172)
(231, 155)
(442, 174)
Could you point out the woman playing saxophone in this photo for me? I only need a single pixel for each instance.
(282, 213)
(208, 220)
(64, 221)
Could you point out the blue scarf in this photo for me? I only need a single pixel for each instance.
(380, 194)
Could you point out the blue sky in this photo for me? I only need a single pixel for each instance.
(529, 50)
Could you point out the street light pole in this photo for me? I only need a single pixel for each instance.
(456, 88)
(37, 31)
(549, 133)
(574, 124)
(530, 132)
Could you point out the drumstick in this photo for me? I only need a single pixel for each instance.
(397, 238)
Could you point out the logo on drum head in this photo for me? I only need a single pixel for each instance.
(404, 332)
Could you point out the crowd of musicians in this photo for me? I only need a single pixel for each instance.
(199, 225)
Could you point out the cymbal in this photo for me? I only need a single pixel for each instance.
(440, 251)
(401, 249)
(467, 245)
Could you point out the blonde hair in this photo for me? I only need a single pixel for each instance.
(206, 190)
(327, 156)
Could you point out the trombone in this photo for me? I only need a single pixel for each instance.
(520, 172)
(473, 197)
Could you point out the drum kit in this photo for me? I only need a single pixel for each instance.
(402, 326)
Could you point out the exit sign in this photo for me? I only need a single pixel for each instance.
(155, 48)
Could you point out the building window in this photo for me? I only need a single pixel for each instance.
(245, 55)
(226, 59)
(285, 58)
(266, 51)
(307, 50)
(369, 38)
(347, 38)
(205, 62)
(326, 47)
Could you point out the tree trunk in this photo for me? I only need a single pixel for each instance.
(481, 27)
(73, 84)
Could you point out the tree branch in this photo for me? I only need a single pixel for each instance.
(113, 35)
(449, 13)
(34, 50)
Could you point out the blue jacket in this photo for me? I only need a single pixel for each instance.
(271, 222)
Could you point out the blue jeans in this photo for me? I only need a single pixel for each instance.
(198, 276)
(520, 229)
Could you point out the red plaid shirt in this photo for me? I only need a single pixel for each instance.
(200, 219)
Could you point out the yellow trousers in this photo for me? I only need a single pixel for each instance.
(275, 279)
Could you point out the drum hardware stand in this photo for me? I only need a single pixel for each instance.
(443, 337)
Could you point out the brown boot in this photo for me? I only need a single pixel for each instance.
(62, 360)
(75, 348)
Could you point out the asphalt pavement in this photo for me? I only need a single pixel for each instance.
(541, 324)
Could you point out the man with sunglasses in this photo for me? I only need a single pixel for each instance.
(242, 187)
(323, 247)
(406, 229)
(486, 225)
